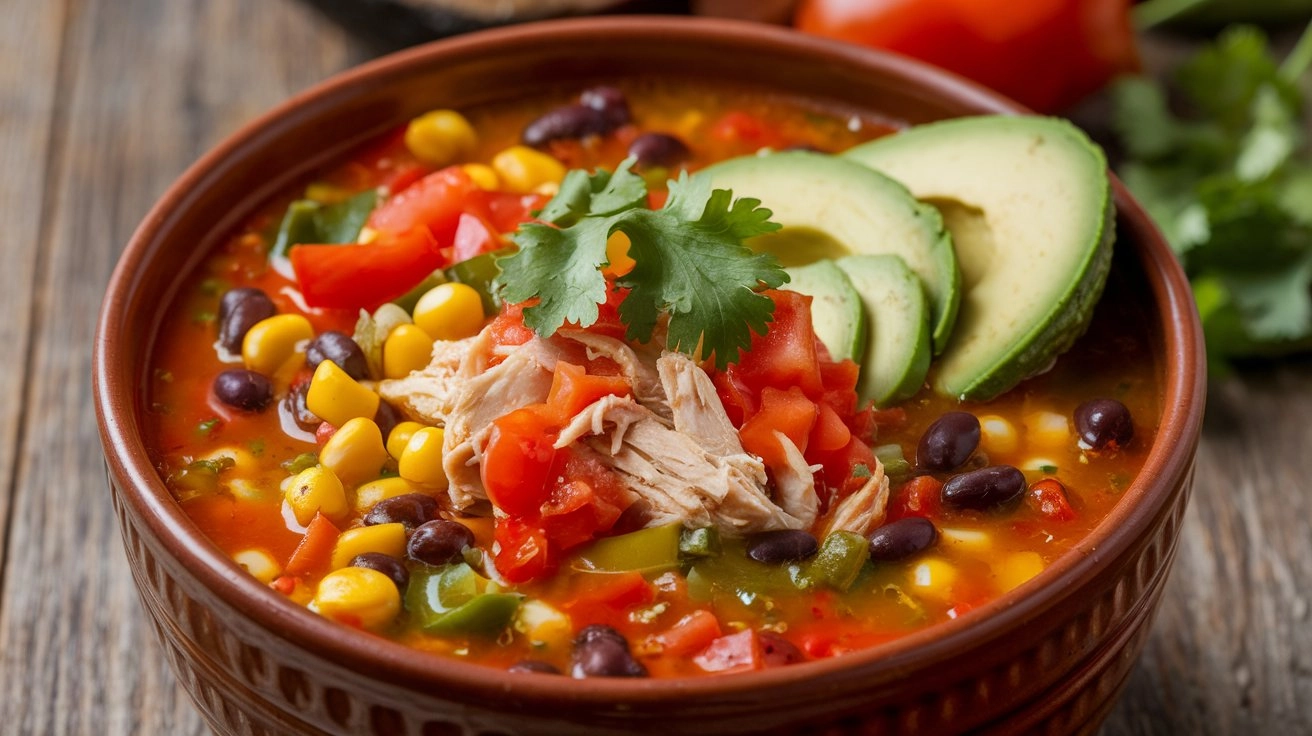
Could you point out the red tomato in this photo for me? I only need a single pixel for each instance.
(473, 237)
(434, 202)
(830, 432)
(741, 127)
(364, 276)
(785, 356)
(733, 653)
(522, 552)
(517, 464)
(573, 390)
(789, 412)
(507, 211)
(920, 496)
(1048, 497)
(1044, 53)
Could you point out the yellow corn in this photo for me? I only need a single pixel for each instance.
(523, 169)
(337, 398)
(1016, 568)
(357, 595)
(421, 461)
(407, 348)
(545, 626)
(1047, 429)
(376, 490)
(241, 459)
(934, 577)
(316, 490)
(355, 452)
(617, 255)
(998, 435)
(440, 137)
(386, 538)
(484, 176)
(449, 311)
(400, 436)
(271, 342)
(259, 564)
(970, 539)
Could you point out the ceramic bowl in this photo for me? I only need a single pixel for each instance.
(1050, 656)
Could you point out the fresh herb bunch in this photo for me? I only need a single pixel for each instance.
(1231, 188)
(691, 263)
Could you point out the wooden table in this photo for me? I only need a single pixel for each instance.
(104, 102)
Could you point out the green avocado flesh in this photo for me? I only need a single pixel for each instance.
(1028, 201)
(897, 354)
(831, 207)
(836, 309)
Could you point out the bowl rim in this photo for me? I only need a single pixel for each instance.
(141, 487)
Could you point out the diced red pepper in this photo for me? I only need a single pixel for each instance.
(691, 634)
(364, 276)
(738, 652)
(314, 554)
(614, 591)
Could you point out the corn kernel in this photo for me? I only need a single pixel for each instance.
(969, 539)
(449, 311)
(1016, 568)
(407, 348)
(259, 564)
(617, 255)
(934, 577)
(376, 490)
(998, 435)
(337, 398)
(271, 342)
(545, 626)
(367, 235)
(523, 169)
(316, 490)
(1047, 429)
(355, 452)
(1039, 466)
(400, 436)
(241, 459)
(484, 176)
(440, 137)
(421, 461)
(357, 595)
(388, 539)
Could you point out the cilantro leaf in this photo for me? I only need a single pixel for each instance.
(1224, 79)
(690, 262)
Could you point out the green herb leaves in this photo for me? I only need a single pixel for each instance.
(690, 262)
(1231, 190)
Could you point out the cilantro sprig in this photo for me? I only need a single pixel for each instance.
(691, 263)
(1231, 188)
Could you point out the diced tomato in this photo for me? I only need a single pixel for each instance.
(507, 211)
(522, 551)
(785, 356)
(573, 390)
(845, 469)
(474, 236)
(364, 276)
(737, 126)
(920, 496)
(314, 553)
(733, 653)
(323, 433)
(404, 177)
(508, 328)
(830, 432)
(738, 400)
(788, 412)
(435, 202)
(517, 463)
(839, 381)
(615, 591)
(691, 634)
(1048, 497)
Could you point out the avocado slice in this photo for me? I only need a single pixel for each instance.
(1028, 201)
(897, 354)
(831, 207)
(837, 314)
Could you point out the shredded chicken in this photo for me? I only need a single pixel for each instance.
(427, 395)
(647, 388)
(863, 511)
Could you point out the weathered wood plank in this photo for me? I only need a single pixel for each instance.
(30, 42)
(149, 84)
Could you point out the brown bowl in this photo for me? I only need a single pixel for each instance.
(1050, 656)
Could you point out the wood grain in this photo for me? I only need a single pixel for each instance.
(104, 102)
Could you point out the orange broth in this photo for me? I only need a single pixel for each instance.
(979, 555)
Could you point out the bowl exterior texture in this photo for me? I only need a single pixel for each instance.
(1050, 657)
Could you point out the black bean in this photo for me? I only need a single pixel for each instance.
(985, 488)
(386, 564)
(658, 149)
(439, 542)
(781, 545)
(900, 539)
(386, 418)
(949, 442)
(600, 651)
(570, 121)
(609, 101)
(340, 349)
(534, 665)
(243, 389)
(1103, 422)
(239, 310)
(300, 412)
(411, 509)
(777, 651)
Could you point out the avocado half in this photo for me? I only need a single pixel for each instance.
(1028, 201)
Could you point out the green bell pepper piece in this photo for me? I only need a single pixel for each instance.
(895, 464)
(703, 542)
(456, 600)
(838, 563)
(735, 574)
(487, 614)
(646, 550)
(479, 272)
(307, 221)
